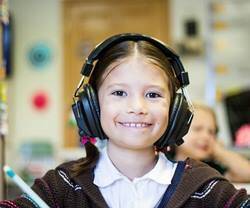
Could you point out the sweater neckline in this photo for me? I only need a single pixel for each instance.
(86, 181)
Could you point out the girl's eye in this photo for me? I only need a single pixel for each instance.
(212, 132)
(153, 95)
(119, 93)
(196, 128)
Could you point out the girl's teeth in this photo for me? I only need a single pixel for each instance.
(136, 125)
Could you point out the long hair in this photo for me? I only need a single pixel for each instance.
(113, 55)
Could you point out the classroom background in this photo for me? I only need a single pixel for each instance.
(44, 44)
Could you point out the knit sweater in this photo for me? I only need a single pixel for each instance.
(200, 186)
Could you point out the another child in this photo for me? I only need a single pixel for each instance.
(132, 102)
(200, 143)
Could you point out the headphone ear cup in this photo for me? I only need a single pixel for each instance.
(179, 123)
(92, 109)
(87, 113)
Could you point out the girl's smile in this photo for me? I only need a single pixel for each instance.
(136, 125)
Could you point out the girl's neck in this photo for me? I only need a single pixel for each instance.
(132, 163)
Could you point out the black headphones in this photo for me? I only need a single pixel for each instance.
(86, 107)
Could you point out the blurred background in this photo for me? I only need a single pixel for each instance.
(44, 44)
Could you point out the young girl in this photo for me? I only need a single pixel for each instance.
(201, 144)
(132, 102)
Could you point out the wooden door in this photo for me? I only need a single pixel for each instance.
(86, 23)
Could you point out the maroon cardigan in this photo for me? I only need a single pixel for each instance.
(200, 186)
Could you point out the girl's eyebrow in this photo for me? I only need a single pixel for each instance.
(116, 85)
(148, 86)
(158, 87)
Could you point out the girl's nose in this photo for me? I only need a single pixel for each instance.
(137, 105)
(206, 134)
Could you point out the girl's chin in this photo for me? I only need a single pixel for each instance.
(203, 157)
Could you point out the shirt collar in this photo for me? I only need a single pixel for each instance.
(105, 172)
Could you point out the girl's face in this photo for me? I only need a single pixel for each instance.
(134, 100)
(198, 143)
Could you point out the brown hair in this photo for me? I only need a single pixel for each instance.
(114, 54)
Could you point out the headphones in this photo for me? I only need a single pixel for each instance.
(86, 107)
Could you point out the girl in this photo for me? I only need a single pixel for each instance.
(136, 108)
(201, 144)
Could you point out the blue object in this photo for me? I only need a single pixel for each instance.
(10, 172)
(6, 48)
(37, 201)
(40, 55)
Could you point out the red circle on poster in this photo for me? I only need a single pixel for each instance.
(40, 100)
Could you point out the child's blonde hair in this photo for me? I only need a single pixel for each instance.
(203, 106)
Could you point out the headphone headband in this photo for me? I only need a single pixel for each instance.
(178, 68)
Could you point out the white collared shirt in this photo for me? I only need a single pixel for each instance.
(120, 192)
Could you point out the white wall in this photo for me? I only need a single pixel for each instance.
(204, 81)
(35, 21)
(196, 66)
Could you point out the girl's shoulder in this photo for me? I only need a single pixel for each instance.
(195, 166)
(58, 184)
(202, 185)
(66, 175)
(58, 188)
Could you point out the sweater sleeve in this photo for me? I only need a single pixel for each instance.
(221, 193)
(50, 188)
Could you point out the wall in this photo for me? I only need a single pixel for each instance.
(227, 47)
(196, 66)
(34, 21)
